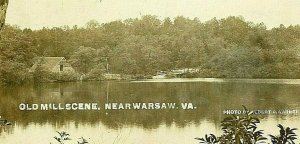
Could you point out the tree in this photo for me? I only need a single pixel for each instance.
(12, 72)
(3, 8)
(83, 59)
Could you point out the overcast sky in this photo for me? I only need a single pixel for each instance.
(36, 14)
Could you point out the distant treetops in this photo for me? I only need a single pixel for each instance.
(224, 48)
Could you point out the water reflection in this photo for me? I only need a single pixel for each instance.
(211, 98)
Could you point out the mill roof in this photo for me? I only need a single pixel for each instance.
(48, 62)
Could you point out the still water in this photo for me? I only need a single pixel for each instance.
(166, 126)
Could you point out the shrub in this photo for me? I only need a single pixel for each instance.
(287, 136)
(95, 74)
(13, 73)
(243, 130)
(64, 76)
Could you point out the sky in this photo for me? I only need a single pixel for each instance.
(36, 14)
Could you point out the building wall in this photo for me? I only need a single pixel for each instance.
(65, 69)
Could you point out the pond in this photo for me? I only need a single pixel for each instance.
(209, 97)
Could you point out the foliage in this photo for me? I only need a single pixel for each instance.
(13, 73)
(64, 76)
(243, 130)
(63, 136)
(82, 141)
(287, 136)
(95, 74)
(83, 59)
(226, 48)
(211, 139)
(40, 74)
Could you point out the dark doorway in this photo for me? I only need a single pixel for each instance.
(61, 68)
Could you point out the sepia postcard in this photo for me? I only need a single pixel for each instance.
(149, 71)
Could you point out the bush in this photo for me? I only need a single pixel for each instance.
(243, 130)
(64, 76)
(41, 75)
(13, 73)
(95, 74)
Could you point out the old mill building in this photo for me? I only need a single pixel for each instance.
(52, 64)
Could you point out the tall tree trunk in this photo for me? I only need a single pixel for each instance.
(3, 8)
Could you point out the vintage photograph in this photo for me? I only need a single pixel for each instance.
(149, 71)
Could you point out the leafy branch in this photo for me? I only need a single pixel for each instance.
(243, 130)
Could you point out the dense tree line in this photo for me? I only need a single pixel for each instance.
(227, 48)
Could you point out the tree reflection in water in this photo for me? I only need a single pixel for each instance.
(211, 98)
